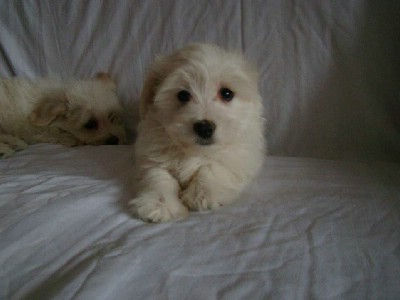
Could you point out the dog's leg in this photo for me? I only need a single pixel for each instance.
(56, 136)
(211, 187)
(157, 197)
(9, 144)
(5, 151)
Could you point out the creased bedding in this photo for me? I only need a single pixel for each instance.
(307, 228)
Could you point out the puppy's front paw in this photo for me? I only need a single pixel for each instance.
(9, 144)
(154, 208)
(14, 143)
(18, 145)
(69, 141)
(196, 198)
(5, 151)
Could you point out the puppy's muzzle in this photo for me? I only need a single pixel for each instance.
(204, 130)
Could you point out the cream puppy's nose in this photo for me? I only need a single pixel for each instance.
(204, 128)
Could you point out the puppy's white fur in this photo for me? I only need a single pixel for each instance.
(176, 170)
(52, 111)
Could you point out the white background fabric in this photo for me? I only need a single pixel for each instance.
(329, 69)
(306, 228)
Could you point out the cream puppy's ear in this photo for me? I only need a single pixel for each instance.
(160, 70)
(150, 86)
(48, 109)
(106, 79)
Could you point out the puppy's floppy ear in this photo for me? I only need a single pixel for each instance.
(106, 79)
(160, 70)
(150, 87)
(48, 109)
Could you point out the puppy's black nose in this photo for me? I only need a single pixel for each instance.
(204, 128)
(112, 140)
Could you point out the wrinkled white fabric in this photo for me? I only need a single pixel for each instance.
(329, 69)
(306, 228)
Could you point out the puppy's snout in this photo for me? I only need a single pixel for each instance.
(112, 140)
(204, 128)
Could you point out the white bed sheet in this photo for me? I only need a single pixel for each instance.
(305, 229)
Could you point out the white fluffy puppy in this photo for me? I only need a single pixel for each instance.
(200, 138)
(51, 111)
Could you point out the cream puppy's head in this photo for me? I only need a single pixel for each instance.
(88, 110)
(202, 96)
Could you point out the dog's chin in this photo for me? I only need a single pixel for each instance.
(204, 142)
(197, 144)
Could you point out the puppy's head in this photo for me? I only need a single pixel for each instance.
(202, 95)
(89, 110)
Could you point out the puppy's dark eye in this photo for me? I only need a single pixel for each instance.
(91, 124)
(226, 94)
(184, 96)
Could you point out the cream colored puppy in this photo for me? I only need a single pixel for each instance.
(200, 138)
(51, 111)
